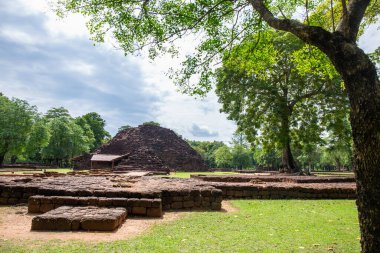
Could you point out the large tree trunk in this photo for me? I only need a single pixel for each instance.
(1, 159)
(363, 88)
(288, 164)
(13, 159)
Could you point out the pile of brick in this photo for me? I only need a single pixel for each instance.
(148, 147)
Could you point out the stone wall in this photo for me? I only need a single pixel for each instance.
(175, 194)
(197, 199)
(259, 192)
(138, 207)
(287, 179)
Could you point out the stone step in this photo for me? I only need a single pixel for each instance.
(88, 218)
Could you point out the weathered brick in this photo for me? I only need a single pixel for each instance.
(154, 212)
(188, 204)
(139, 210)
(177, 205)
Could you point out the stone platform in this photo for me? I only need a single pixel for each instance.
(88, 218)
(175, 193)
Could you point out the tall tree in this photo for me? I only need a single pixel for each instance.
(16, 120)
(67, 139)
(223, 23)
(223, 157)
(97, 126)
(281, 101)
(207, 150)
(151, 123)
(37, 140)
(267, 159)
(57, 112)
(242, 157)
(123, 128)
(338, 147)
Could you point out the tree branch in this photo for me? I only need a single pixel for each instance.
(352, 16)
(306, 96)
(332, 14)
(310, 34)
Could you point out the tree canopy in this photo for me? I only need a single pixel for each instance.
(53, 138)
(151, 123)
(16, 120)
(219, 25)
(274, 96)
(96, 124)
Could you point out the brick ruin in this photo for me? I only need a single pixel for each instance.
(149, 196)
(148, 147)
(88, 218)
(282, 187)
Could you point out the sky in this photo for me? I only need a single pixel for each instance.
(50, 62)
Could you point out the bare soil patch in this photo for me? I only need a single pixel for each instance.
(15, 224)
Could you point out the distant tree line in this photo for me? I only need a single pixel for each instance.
(330, 153)
(55, 137)
(51, 138)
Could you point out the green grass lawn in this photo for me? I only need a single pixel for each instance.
(187, 174)
(258, 226)
(333, 174)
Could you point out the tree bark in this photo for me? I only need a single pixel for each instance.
(13, 159)
(1, 159)
(363, 88)
(288, 164)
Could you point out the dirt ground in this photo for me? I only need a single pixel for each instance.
(15, 223)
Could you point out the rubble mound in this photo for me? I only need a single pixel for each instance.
(149, 147)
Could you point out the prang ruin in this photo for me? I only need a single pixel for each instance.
(146, 147)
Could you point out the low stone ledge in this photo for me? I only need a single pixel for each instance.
(139, 207)
(278, 192)
(89, 218)
(276, 178)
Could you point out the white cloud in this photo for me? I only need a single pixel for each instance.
(72, 26)
(80, 67)
(16, 35)
(370, 40)
(25, 7)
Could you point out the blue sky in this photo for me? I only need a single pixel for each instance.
(51, 62)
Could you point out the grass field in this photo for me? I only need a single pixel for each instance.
(333, 173)
(187, 174)
(258, 226)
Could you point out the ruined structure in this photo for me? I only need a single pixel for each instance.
(145, 147)
(102, 202)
